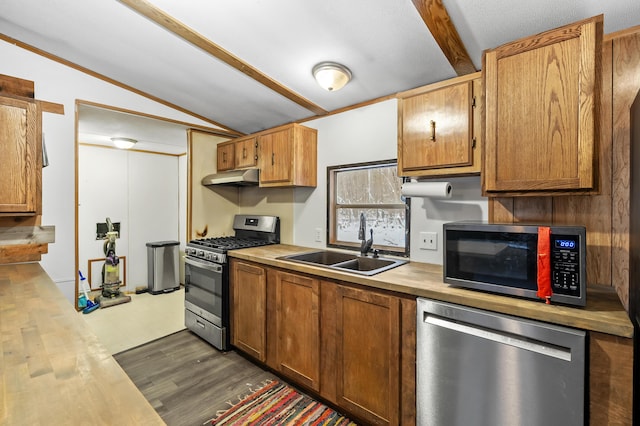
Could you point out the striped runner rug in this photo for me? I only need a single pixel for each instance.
(279, 404)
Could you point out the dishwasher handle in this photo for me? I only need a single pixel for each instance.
(501, 337)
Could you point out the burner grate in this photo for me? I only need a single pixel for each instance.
(229, 243)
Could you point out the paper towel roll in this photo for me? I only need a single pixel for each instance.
(427, 189)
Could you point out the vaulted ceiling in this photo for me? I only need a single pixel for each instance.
(245, 65)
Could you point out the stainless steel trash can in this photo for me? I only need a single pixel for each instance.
(162, 266)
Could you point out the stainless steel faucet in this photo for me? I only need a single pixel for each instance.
(365, 245)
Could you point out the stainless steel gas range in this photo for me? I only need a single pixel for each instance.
(207, 275)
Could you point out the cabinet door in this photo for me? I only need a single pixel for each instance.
(368, 373)
(437, 128)
(542, 100)
(226, 156)
(20, 157)
(298, 328)
(276, 157)
(249, 314)
(245, 153)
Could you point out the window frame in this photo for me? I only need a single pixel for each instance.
(332, 208)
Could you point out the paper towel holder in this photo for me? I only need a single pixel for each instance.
(427, 189)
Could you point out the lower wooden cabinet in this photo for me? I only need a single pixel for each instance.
(295, 328)
(354, 347)
(249, 309)
(368, 355)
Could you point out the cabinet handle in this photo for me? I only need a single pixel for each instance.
(273, 158)
(433, 130)
(244, 152)
(45, 157)
(224, 157)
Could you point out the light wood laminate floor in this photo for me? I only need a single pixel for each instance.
(187, 380)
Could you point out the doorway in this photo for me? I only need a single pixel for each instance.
(141, 189)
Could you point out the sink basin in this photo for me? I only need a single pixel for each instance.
(324, 257)
(345, 262)
(365, 264)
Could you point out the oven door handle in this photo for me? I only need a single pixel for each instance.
(206, 265)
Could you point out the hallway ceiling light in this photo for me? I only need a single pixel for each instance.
(331, 76)
(123, 143)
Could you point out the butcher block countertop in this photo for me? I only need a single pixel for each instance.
(53, 370)
(604, 313)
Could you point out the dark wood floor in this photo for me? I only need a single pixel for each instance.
(187, 380)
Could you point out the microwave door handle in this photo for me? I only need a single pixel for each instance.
(204, 265)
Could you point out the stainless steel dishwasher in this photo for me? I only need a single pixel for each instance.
(478, 368)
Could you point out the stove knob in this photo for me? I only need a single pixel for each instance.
(208, 256)
(200, 253)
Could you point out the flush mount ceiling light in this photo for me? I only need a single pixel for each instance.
(123, 143)
(331, 76)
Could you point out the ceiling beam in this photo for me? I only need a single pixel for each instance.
(171, 24)
(435, 15)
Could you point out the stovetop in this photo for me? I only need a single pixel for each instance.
(222, 244)
(215, 249)
(251, 231)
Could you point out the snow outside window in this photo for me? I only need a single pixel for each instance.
(372, 189)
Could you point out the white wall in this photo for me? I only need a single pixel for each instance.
(102, 193)
(138, 190)
(370, 134)
(60, 84)
(356, 136)
(428, 215)
(153, 209)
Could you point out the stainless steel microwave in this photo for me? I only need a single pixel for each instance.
(504, 258)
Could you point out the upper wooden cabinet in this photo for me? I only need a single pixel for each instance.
(20, 157)
(246, 153)
(542, 99)
(225, 156)
(287, 156)
(237, 154)
(439, 128)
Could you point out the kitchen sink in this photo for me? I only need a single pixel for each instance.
(345, 262)
(365, 264)
(324, 257)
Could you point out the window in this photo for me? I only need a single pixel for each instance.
(372, 189)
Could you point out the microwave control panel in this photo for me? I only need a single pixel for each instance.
(565, 264)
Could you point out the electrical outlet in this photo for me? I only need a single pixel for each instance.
(319, 235)
(428, 241)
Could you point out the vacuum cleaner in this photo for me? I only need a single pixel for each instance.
(111, 294)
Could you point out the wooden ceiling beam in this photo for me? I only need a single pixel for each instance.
(435, 15)
(171, 24)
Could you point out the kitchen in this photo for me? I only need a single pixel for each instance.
(369, 131)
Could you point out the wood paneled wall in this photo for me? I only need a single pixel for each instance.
(626, 78)
(606, 215)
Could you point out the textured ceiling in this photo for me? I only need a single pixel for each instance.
(385, 43)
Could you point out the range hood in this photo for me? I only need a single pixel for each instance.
(232, 178)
